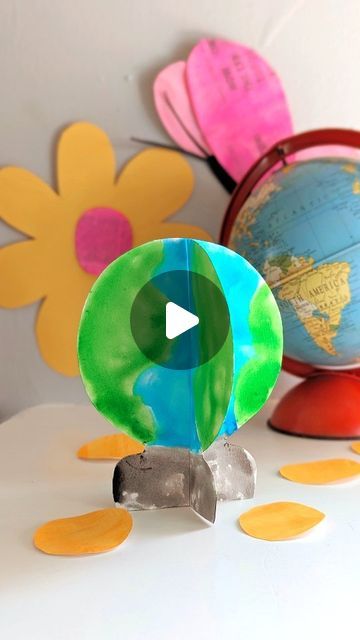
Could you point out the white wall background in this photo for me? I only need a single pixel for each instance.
(65, 60)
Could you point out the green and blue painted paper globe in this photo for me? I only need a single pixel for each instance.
(208, 381)
(301, 229)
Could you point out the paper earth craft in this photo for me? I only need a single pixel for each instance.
(301, 229)
(185, 392)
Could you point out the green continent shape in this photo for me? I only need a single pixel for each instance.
(284, 262)
(212, 381)
(258, 377)
(110, 361)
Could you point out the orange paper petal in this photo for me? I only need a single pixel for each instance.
(27, 203)
(93, 532)
(113, 447)
(279, 520)
(23, 277)
(169, 230)
(58, 320)
(321, 471)
(356, 447)
(86, 166)
(154, 185)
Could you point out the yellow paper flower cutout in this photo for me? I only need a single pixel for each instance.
(76, 232)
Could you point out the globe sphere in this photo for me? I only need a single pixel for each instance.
(300, 228)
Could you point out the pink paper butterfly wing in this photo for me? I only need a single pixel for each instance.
(238, 102)
(170, 87)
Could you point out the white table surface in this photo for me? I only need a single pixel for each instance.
(175, 577)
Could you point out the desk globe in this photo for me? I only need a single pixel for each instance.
(298, 223)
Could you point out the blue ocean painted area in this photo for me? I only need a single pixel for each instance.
(168, 392)
(239, 282)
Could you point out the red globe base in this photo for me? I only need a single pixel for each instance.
(324, 405)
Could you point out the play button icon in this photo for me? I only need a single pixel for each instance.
(178, 320)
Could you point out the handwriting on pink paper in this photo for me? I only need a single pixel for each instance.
(238, 101)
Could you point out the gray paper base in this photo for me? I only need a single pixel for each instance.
(155, 479)
(233, 469)
(163, 477)
(202, 488)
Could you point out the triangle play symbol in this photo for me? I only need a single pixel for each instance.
(178, 320)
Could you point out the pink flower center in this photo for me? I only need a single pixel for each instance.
(102, 234)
